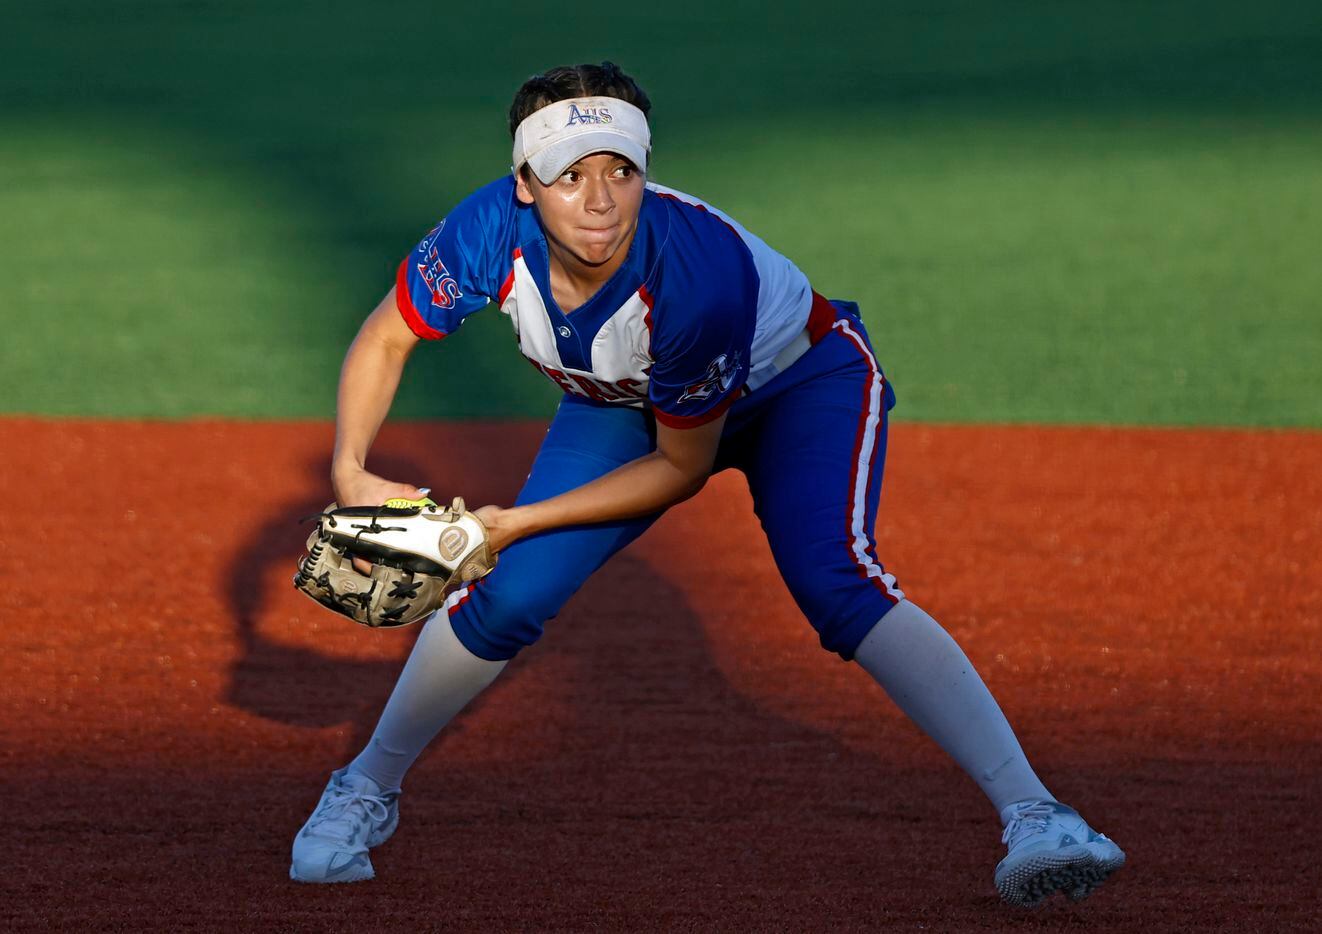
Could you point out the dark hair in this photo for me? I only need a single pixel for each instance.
(567, 81)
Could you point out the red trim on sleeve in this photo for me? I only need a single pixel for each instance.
(820, 318)
(505, 288)
(702, 208)
(693, 421)
(509, 280)
(649, 300)
(404, 302)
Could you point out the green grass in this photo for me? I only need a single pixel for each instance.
(1050, 212)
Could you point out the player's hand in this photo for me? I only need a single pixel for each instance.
(503, 526)
(361, 488)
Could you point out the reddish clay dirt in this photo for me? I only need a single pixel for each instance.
(677, 753)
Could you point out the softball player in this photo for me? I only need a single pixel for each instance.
(684, 345)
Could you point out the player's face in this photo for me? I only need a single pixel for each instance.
(591, 210)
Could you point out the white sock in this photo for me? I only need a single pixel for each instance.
(438, 681)
(931, 679)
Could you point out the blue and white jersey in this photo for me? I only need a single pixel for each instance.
(692, 320)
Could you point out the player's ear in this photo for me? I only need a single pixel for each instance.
(522, 190)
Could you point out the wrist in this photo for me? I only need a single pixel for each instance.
(345, 482)
(526, 520)
(346, 468)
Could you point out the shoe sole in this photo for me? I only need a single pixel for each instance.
(1076, 871)
(360, 874)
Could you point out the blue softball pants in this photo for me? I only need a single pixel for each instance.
(812, 444)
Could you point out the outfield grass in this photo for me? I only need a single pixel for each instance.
(1105, 215)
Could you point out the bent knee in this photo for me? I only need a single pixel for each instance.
(496, 623)
(844, 606)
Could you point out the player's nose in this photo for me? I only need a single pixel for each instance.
(599, 200)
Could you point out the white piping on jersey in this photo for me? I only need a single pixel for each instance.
(863, 469)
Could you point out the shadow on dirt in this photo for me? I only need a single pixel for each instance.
(627, 656)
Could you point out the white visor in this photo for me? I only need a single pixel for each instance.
(558, 135)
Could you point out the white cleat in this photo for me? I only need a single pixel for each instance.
(352, 816)
(1052, 849)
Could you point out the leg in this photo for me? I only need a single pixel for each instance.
(1051, 848)
(465, 645)
(930, 678)
(815, 465)
(814, 458)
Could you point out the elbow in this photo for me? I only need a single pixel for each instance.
(690, 456)
(692, 482)
(684, 480)
(391, 346)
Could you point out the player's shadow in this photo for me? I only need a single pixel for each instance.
(302, 686)
(630, 638)
(618, 736)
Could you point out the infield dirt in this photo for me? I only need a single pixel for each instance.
(677, 752)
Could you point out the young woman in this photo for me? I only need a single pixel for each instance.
(684, 345)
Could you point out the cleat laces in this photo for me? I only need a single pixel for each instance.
(1026, 820)
(342, 815)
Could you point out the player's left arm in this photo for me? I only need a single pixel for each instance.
(701, 347)
(676, 470)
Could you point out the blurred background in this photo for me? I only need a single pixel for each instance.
(1049, 211)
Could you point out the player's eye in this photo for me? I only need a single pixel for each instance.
(571, 176)
(624, 171)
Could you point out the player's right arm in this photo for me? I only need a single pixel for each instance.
(456, 270)
(368, 381)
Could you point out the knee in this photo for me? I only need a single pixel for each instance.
(497, 622)
(844, 629)
(842, 603)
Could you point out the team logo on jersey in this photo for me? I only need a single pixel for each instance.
(579, 115)
(429, 241)
(580, 384)
(444, 287)
(720, 376)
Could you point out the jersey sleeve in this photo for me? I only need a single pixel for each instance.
(459, 266)
(701, 353)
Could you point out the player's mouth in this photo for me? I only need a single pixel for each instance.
(600, 234)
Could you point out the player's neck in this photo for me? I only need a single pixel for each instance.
(573, 280)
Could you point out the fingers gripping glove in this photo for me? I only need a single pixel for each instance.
(420, 554)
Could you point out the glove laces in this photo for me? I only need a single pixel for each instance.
(1025, 820)
(345, 811)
